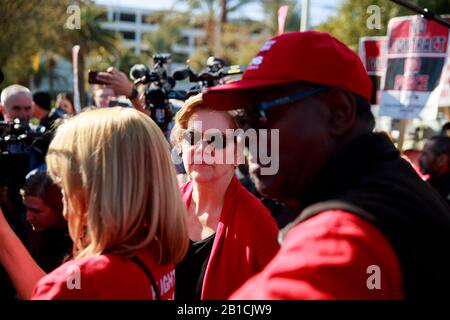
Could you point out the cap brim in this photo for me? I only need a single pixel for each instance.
(237, 94)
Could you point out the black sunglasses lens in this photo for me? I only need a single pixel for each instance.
(218, 140)
(244, 118)
(190, 137)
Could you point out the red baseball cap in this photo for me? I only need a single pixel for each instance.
(309, 56)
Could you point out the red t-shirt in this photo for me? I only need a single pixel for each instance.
(333, 255)
(106, 277)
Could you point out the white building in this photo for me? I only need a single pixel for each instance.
(133, 24)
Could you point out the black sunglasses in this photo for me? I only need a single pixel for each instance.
(255, 116)
(218, 140)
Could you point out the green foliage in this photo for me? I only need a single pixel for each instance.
(168, 33)
(271, 7)
(27, 27)
(241, 43)
(35, 27)
(350, 22)
(232, 40)
(91, 35)
(122, 59)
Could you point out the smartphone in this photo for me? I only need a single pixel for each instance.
(92, 77)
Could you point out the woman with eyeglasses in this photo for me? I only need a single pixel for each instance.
(124, 211)
(232, 235)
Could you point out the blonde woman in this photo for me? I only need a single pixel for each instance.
(123, 207)
(232, 235)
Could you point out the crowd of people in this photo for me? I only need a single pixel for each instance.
(105, 213)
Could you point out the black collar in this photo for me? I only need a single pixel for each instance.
(441, 181)
(346, 167)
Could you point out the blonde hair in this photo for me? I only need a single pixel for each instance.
(120, 186)
(191, 106)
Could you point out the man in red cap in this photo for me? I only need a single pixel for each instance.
(369, 227)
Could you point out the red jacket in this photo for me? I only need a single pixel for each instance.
(106, 277)
(245, 241)
(329, 257)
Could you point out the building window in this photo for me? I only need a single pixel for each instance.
(128, 35)
(127, 17)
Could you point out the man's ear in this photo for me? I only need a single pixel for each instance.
(342, 107)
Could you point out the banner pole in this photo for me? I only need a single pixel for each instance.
(76, 91)
(401, 137)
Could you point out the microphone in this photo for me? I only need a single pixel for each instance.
(139, 71)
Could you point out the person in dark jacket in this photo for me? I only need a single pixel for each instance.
(50, 243)
(42, 110)
(369, 227)
(435, 161)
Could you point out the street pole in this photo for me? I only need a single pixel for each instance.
(304, 21)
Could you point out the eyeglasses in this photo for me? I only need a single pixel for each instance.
(258, 111)
(218, 140)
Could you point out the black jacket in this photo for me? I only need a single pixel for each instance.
(370, 179)
(442, 185)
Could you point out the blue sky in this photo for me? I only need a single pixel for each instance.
(320, 10)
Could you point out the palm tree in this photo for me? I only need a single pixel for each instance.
(208, 8)
(168, 33)
(230, 6)
(91, 36)
(47, 70)
(227, 6)
(122, 59)
(211, 8)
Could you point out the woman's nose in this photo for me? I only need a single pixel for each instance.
(203, 151)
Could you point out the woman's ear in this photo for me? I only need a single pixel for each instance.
(179, 150)
(342, 107)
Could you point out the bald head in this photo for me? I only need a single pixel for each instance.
(17, 102)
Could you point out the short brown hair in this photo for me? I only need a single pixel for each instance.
(191, 106)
